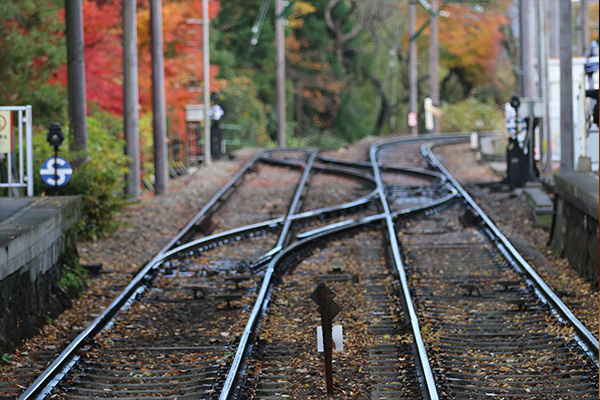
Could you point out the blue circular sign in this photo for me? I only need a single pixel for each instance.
(56, 171)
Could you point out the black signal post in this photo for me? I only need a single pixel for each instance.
(55, 137)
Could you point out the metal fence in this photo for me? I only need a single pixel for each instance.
(16, 164)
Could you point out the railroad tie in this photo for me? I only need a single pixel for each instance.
(198, 292)
(228, 297)
(471, 287)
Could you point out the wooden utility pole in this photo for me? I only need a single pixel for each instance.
(131, 99)
(566, 88)
(158, 99)
(412, 67)
(280, 54)
(434, 61)
(206, 68)
(76, 77)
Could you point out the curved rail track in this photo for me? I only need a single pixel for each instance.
(436, 302)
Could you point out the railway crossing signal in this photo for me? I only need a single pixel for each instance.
(328, 308)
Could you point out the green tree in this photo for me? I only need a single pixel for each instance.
(32, 48)
(242, 107)
(99, 181)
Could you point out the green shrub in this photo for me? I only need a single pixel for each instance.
(100, 180)
(471, 115)
(5, 358)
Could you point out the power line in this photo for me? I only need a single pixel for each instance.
(256, 29)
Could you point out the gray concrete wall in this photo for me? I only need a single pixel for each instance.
(35, 249)
(575, 230)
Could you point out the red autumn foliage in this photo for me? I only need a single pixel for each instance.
(104, 56)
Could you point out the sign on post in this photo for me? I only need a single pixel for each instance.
(56, 171)
(412, 119)
(328, 308)
(6, 131)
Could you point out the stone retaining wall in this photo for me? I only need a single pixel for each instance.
(575, 229)
(33, 263)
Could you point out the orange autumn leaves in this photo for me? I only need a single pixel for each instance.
(471, 41)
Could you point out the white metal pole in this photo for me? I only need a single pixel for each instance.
(21, 155)
(29, 144)
(206, 62)
(547, 141)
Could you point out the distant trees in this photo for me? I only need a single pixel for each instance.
(471, 52)
(347, 60)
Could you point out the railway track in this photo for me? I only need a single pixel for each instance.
(435, 301)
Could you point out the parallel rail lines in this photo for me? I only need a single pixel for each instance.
(223, 310)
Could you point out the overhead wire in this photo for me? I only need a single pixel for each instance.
(256, 29)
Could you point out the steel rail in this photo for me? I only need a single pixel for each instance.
(585, 337)
(346, 170)
(429, 381)
(215, 202)
(259, 305)
(46, 382)
(48, 379)
(348, 165)
(452, 194)
(316, 236)
(386, 168)
(262, 300)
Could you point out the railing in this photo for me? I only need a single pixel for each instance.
(19, 158)
(237, 136)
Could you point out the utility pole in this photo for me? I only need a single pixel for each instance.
(546, 146)
(412, 67)
(131, 99)
(206, 68)
(434, 47)
(566, 88)
(527, 23)
(76, 77)
(158, 99)
(554, 28)
(280, 54)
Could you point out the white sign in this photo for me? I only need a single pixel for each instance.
(337, 336)
(6, 128)
(412, 119)
(194, 113)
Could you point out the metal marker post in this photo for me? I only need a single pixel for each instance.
(328, 308)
